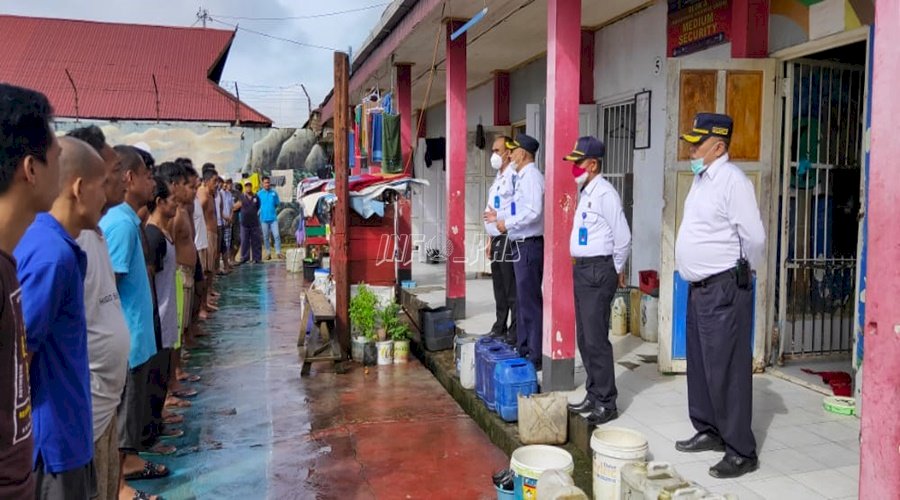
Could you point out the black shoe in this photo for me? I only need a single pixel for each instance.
(702, 441)
(601, 416)
(497, 335)
(733, 466)
(582, 407)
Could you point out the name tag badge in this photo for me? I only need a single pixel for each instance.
(512, 208)
(582, 236)
(496, 202)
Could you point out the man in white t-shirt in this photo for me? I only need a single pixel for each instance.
(109, 341)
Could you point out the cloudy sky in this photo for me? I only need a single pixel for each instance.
(268, 71)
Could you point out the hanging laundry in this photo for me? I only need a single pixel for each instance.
(387, 104)
(435, 149)
(351, 154)
(360, 132)
(841, 383)
(393, 158)
(377, 147)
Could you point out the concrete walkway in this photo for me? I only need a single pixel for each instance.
(257, 430)
(805, 452)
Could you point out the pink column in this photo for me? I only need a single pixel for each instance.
(501, 98)
(586, 90)
(749, 28)
(456, 171)
(563, 82)
(880, 446)
(404, 229)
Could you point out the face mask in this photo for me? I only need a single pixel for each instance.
(579, 173)
(496, 161)
(581, 179)
(697, 166)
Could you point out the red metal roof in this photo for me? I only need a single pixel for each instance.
(113, 65)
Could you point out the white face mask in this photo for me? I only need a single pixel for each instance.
(496, 161)
(581, 179)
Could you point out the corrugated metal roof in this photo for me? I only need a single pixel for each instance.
(113, 65)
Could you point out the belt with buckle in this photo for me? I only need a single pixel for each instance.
(715, 278)
(591, 260)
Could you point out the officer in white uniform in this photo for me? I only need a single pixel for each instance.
(720, 240)
(599, 245)
(503, 272)
(524, 225)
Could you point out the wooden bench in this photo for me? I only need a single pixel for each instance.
(321, 345)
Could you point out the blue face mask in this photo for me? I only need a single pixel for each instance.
(697, 166)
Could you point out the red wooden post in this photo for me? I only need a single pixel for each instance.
(749, 28)
(880, 447)
(456, 171)
(563, 67)
(404, 225)
(340, 245)
(501, 98)
(586, 89)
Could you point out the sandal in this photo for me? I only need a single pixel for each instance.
(177, 403)
(143, 495)
(171, 434)
(189, 378)
(185, 393)
(150, 471)
(173, 419)
(160, 450)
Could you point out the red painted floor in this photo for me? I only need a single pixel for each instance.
(391, 433)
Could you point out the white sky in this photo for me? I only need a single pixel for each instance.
(269, 72)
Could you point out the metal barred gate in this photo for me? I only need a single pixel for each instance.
(820, 206)
(617, 122)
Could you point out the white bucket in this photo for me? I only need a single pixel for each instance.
(619, 317)
(649, 318)
(385, 352)
(614, 447)
(466, 365)
(529, 462)
(294, 260)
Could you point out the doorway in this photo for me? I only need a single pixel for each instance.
(823, 125)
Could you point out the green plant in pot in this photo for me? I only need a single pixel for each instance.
(397, 331)
(363, 320)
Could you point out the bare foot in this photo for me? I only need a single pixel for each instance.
(203, 316)
(129, 493)
(173, 402)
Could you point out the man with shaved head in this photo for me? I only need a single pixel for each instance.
(51, 268)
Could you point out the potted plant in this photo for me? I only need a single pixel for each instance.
(398, 332)
(363, 317)
(389, 322)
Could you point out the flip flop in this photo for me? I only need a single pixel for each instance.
(143, 495)
(189, 378)
(160, 450)
(171, 434)
(150, 471)
(185, 393)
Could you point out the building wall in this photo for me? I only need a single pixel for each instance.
(225, 146)
(527, 85)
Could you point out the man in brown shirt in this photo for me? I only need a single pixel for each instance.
(29, 183)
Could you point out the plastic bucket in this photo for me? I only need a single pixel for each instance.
(401, 352)
(505, 494)
(649, 318)
(465, 360)
(357, 349)
(529, 462)
(614, 447)
(385, 352)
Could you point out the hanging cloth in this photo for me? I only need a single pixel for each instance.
(387, 104)
(435, 149)
(360, 132)
(351, 143)
(377, 132)
(393, 159)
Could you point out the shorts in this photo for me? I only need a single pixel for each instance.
(184, 288)
(225, 237)
(106, 463)
(212, 253)
(74, 483)
(134, 414)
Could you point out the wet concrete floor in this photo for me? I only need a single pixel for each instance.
(257, 430)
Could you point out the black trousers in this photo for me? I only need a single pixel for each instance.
(529, 270)
(720, 363)
(595, 282)
(503, 275)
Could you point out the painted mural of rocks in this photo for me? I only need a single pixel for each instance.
(285, 219)
(295, 150)
(316, 159)
(265, 152)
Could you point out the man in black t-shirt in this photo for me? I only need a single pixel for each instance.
(29, 180)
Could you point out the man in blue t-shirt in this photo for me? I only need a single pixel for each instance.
(51, 268)
(268, 217)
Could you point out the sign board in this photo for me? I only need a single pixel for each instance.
(695, 25)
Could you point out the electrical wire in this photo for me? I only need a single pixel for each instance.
(312, 16)
(273, 37)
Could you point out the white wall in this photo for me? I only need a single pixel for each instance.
(527, 85)
(625, 59)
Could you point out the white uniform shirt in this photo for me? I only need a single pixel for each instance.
(500, 197)
(720, 207)
(525, 218)
(600, 220)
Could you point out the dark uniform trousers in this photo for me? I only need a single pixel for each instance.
(503, 275)
(595, 280)
(720, 362)
(529, 271)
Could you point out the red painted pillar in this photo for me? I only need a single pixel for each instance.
(749, 28)
(501, 98)
(404, 225)
(563, 67)
(586, 89)
(456, 172)
(880, 446)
